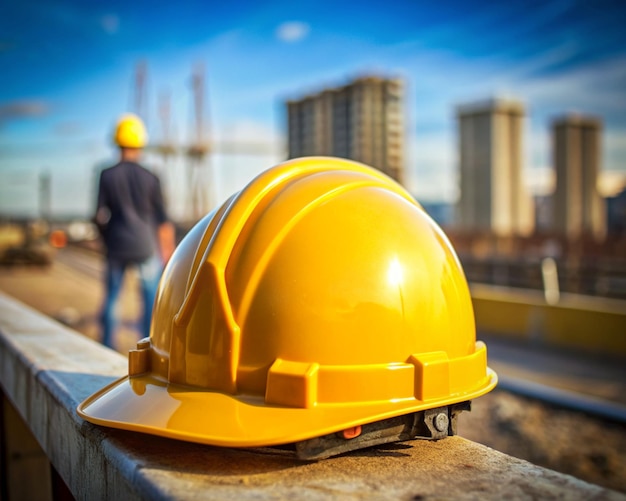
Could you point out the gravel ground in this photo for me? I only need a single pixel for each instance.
(562, 440)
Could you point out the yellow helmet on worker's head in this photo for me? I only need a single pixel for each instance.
(320, 298)
(130, 132)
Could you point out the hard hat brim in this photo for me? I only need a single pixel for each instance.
(150, 405)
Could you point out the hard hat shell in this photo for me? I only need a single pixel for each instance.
(320, 297)
(130, 132)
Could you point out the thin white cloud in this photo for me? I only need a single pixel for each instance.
(110, 23)
(292, 31)
(15, 110)
(249, 131)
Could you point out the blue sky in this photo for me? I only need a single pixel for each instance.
(68, 70)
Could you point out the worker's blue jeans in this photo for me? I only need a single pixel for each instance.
(149, 275)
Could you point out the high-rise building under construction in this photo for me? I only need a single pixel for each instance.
(493, 197)
(579, 210)
(361, 121)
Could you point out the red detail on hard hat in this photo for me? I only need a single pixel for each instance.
(350, 433)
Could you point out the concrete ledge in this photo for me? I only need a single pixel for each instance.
(46, 370)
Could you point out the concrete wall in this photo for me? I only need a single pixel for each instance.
(46, 370)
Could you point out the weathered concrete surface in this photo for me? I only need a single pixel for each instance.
(23, 460)
(46, 370)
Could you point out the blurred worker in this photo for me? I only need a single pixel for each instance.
(133, 223)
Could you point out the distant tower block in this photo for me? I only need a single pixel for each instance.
(361, 121)
(579, 210)
(493, 197)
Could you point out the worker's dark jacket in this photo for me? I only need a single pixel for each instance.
(130, 209)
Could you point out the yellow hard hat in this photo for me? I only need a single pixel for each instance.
(130, 132)
(319, 298)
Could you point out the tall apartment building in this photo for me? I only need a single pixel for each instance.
(361, 121)
(493, 197)
(578, 207)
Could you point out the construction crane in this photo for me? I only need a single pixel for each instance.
(198, 153)
(139, 104)
(165, 148)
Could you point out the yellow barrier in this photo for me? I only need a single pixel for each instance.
(582, 322)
